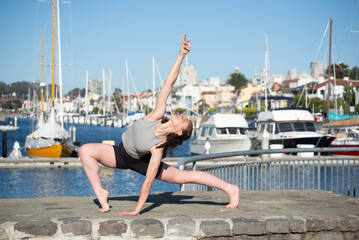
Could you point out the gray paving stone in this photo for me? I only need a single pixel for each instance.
(112, 228)
(3, 234)
(330, 224)
(181, 226)
(37, 228)
(351, 235)
(76, 227)
(329, 236)
(248, 226)
(348, 224)
(147, 228)
(215, 228)
(296, 226)
(277, 225)
(314, 225)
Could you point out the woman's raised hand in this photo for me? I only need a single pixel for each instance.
(185, 47)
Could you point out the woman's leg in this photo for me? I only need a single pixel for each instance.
(173, 175)
(91, 155)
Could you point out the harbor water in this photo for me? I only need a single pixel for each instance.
(57, 182)
(84, 134)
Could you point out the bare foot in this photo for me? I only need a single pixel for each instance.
(102, 198)
(233, 197)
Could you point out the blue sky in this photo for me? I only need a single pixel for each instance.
(225, 34)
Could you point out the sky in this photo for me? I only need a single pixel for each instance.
(99, 35)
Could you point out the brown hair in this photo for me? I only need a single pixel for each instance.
(173, 140)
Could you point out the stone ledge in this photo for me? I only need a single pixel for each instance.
(184, 228)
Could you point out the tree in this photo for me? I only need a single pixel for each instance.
(3, 89)
(180, 110)
(299, 100)
(354, 73)
(74, 93)
(341, 70)
(202, 106)
(316, 105)
(237, 79)
(349, 95)
(95, 110)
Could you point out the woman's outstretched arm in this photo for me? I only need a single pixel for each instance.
(160, 108)
(151, 173)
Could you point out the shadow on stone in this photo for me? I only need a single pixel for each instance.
(164, 198)
(95, 201)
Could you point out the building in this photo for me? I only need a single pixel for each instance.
(245, 94)
(316, 69)
(95, 88)
(188, 75)
(336, 88)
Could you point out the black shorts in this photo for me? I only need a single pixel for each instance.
(125, 161)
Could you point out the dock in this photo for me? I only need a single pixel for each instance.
(75, 162)
(288, 215)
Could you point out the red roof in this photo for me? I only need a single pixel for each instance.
(291, 80)
(339, 82)
(208, 93)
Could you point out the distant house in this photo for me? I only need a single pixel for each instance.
(336, 87)
(245, 94)
(290, 83)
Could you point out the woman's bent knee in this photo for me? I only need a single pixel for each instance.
(85, 151)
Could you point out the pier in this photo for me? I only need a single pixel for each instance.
(185, 215)
(271, 206)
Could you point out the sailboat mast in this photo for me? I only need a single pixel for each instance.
(153, 83)
(103, 93)
(86, 96)
(60, 62)
(128, 89)
(53, 51)
(109, 103)
(42, 70)
(329, 68)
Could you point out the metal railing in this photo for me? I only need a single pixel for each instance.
(338, 174)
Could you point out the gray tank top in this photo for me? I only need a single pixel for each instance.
(140, 137)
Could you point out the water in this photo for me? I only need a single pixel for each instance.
(84, 134)
(72, 182)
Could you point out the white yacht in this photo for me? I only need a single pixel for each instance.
(290, 127)
(221, 133)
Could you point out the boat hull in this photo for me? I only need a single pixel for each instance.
(322, 141)
(48, 152)
(353, 153)
(221, 145)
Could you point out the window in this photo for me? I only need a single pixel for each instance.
(243, 131)
(204, 132)
(221, 131)
(233, 130)
(310, 127)
(210, 133)
(285, 127)
(270, 128)
(299, 126)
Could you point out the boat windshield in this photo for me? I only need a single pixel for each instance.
(295, 127)
(230, 130)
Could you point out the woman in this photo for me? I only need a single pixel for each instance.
(145, 144)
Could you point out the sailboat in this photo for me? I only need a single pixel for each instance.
(51, 140)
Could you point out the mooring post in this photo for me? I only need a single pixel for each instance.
(4, 144)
